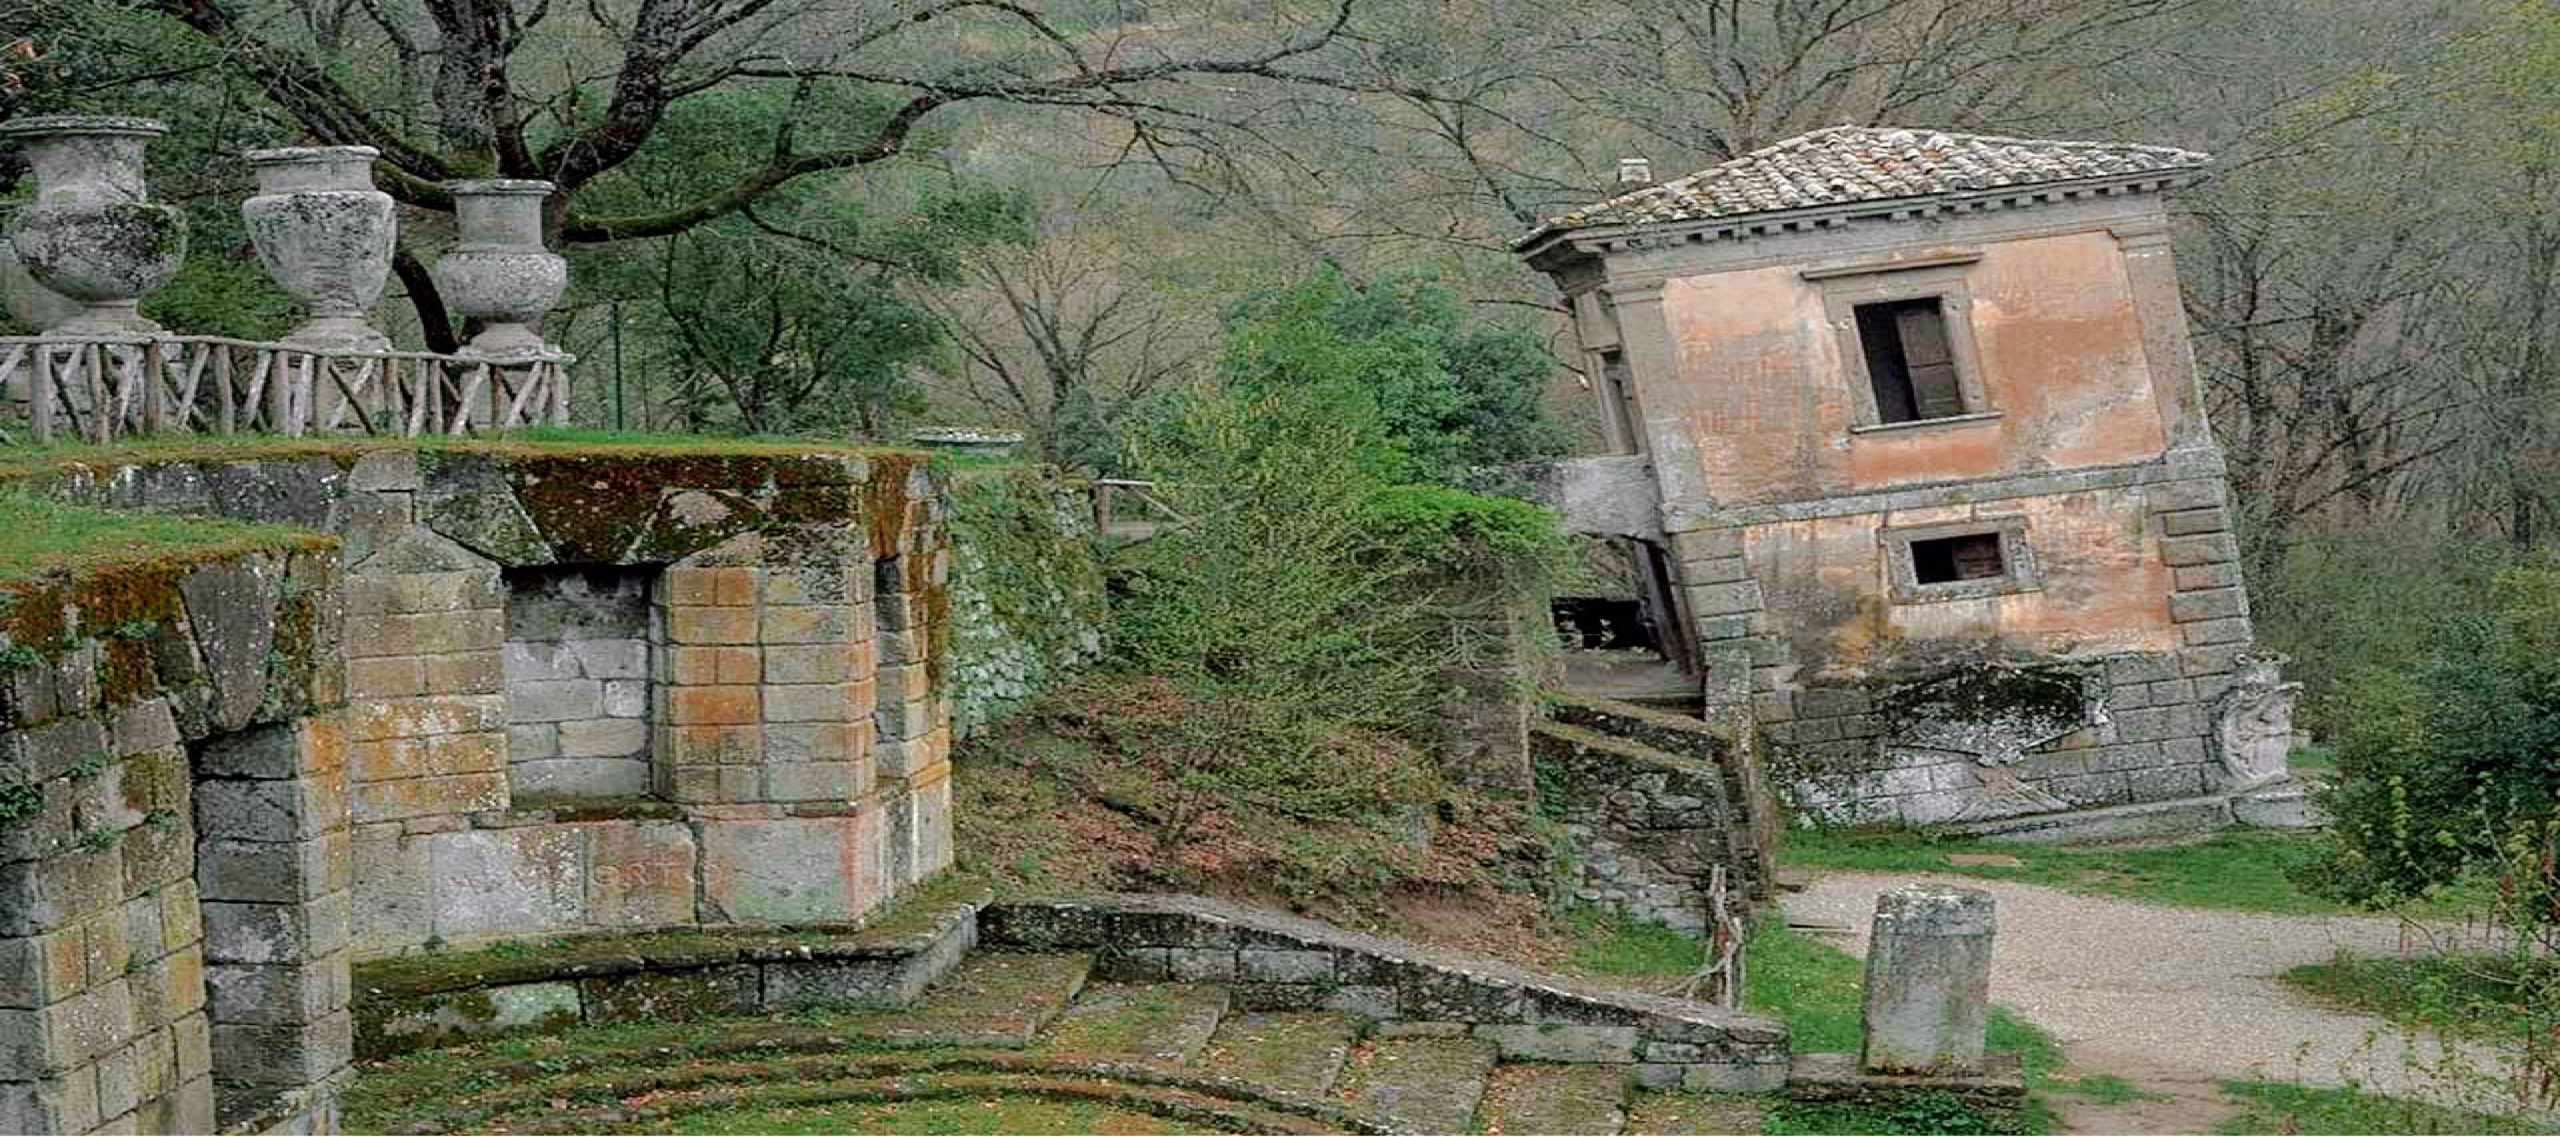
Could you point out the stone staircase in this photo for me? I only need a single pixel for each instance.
(1040, 1023)
(1222, 1016)
(1655, 800)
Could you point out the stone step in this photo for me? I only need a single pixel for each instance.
(1556, 1099)
(999, 999)
(1285, 1052)
(1418, 1085)
(1192, 1110)
(1147, 1024)
(1684, 1113)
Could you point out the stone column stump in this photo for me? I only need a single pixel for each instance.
(1928, 998)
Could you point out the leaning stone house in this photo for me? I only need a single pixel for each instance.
(1925, 472)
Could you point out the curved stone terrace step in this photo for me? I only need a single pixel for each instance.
(1191, 1107)
(1270, 961)
(758, 1060)
(1528, 1098)
(1419, 1085)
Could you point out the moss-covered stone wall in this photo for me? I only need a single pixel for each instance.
(173, 832)
(310, 733)
(1028, 609)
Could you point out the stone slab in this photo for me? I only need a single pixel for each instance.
(1420, 1085)
(1556, 1099)
(1285, 1052)
(1142, 1024)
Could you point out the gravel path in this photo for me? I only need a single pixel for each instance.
(2173, 998)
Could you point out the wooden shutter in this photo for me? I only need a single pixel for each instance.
(1929, 359)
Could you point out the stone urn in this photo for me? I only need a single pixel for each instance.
(498, 272)
(325, 234)
(28, 302)
(91, 235)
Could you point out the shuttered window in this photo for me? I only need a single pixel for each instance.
(1910, 360)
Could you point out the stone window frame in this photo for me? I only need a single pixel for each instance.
(1845, 289)
(2020, 572)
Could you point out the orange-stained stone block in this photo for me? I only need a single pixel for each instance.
(389, 759)
(420, 797)
(692, 624)
(466, 673)
(705, 666)
(323, 743)
(724, 586)
(435, 714)
(719, 705)
(711, 745)
(389, 677)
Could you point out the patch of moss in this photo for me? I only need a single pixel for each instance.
(884, 501)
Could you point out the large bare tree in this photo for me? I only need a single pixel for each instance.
(532, 89)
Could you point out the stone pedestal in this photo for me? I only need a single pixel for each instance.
(1928, 981)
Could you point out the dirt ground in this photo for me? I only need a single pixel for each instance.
(2174, 1000)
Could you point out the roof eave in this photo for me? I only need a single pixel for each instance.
(1539, 242)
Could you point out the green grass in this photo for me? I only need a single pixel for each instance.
(1004, 1114)
(2243, 870)
(2472, 995)
(1935, 1111)
(2105, 1089)
(1819, 991)
(44, 537)
(26, 459)
(2317, 761)
(2279, 1107)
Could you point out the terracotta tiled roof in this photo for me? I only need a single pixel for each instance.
(1844, 165)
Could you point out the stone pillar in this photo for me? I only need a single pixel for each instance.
(273, 869)
(1928, 981)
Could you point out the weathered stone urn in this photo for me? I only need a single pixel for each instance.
(28, 302)
(325, 234)
(91, 234)
(498, 272)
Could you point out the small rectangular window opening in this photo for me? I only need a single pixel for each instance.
(1910, 361)
(1946, 560)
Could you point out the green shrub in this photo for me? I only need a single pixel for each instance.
(1451, 394)
(1306, 608)
(2444, 763)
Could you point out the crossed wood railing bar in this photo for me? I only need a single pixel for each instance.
(1112, 515)
(101, 388)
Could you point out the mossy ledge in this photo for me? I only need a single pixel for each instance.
(410, 1002)
(901, 929)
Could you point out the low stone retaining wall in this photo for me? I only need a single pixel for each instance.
(1269, 961)
(414, 1002)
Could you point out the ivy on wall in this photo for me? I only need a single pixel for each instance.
(1028, 609)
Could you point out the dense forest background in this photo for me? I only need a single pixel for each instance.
(862, 216)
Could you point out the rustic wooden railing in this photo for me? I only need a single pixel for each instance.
(1113, 518)
(101, 388)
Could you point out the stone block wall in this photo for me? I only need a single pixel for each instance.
(2150, 732)
(577, 671)
(174, 891)
(1027, 601)
(323, 760)
(1268, 961)
(1653, 804)
(780, 616)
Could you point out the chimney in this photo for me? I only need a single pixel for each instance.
(1635, 173)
